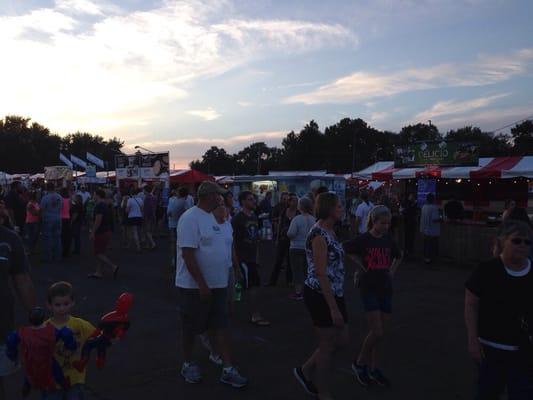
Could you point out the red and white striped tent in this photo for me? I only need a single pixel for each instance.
(488, 168)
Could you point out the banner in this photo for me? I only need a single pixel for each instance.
(78, 161)
(145, 166)
(65, 159)
(95, 160)
(57, 172)
(441, 153)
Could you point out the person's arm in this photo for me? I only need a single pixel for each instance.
(25, 291)
(292, 232)
(235, 262)
(320, 259)
(471, 320)
(194, 270)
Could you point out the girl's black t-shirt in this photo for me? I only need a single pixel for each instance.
(504, 300)
(377, 255)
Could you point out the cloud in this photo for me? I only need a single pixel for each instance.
(79, 7)
(99, 73)
(490, 119)
(245, 103)
(451, 107)
(361, 86)
(183, 151)
(209, 114)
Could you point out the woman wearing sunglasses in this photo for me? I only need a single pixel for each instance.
(499, 316)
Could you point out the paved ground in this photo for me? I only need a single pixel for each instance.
(425, 354)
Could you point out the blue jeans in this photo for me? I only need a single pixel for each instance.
(500, 369)
(51, 231)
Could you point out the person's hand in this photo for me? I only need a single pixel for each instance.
(475, 350)
(337, 318)
(205, 293)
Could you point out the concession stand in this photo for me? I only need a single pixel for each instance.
(482, 187)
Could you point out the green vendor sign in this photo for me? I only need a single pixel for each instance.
(441, 153)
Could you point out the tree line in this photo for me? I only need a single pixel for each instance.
(351, 145)
(28, 147)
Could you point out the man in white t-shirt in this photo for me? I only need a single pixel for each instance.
(202, 280)
(361, 213)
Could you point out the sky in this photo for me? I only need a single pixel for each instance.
(182, 76)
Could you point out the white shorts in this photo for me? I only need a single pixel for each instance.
(7, 367)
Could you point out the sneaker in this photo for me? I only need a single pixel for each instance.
(191, 373)
(216, 359)
(361, 373)
(230, 376)
(296, 296)
(308, 386)
(378, 377)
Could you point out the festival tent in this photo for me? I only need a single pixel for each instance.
(188, 176)
(489, 167)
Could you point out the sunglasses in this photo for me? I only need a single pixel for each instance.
(519, 241)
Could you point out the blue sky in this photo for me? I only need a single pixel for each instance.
(186, 75)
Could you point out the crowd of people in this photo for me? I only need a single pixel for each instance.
(214, 250)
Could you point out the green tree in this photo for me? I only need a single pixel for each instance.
(522, 135)
(490, 145)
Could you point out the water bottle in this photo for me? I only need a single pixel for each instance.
(238, 291)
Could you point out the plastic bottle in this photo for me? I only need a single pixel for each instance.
(238, 291)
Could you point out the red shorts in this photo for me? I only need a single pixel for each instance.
(101, 242)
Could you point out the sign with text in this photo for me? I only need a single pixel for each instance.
(441, 153)
(57, 172)
(144, 166)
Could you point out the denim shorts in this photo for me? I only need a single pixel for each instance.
(375, 301)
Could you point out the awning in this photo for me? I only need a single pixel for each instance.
(489, 167)
(184, 176)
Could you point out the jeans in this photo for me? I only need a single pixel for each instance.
(32, 230)
(51, 232)
(66, 236)
(500, 369)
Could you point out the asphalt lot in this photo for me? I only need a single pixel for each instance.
(425, 354)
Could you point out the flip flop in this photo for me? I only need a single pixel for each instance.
(115, 272)
(94, 276)
(260, 322)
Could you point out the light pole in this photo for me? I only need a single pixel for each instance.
(144, 148)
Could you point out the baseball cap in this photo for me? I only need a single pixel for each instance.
(207, 187)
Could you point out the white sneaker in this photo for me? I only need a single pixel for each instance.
(230, 376)
(216, 359)
(191, 373)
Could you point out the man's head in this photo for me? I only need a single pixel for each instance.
(60, 299)
(247, 200)
(228, 199)
(208, 194)
(183, 191)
